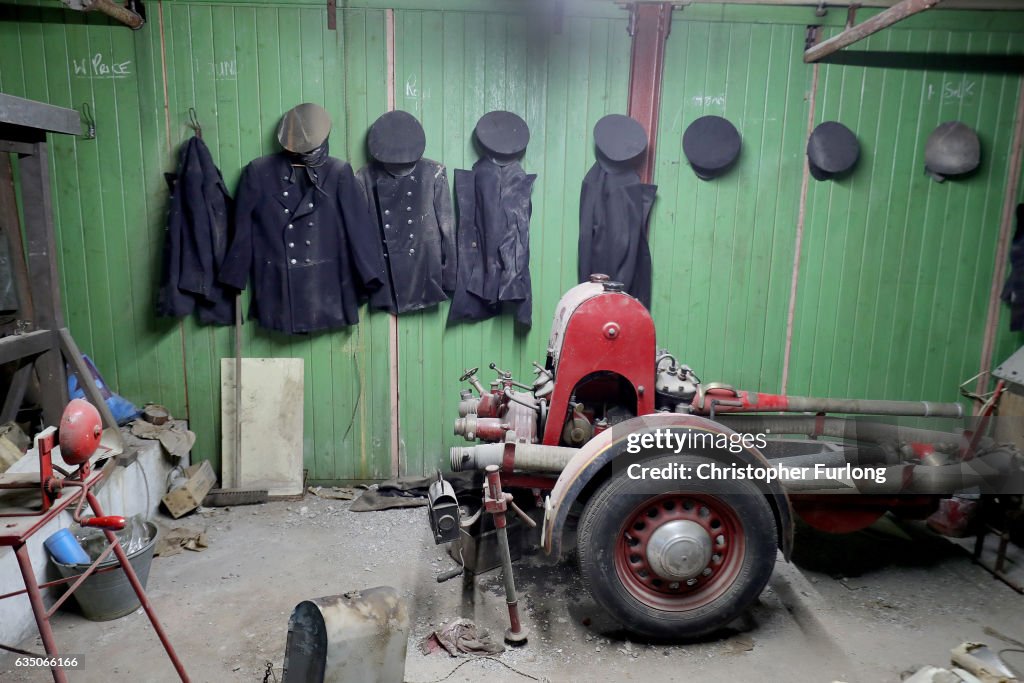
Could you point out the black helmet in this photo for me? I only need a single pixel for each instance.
(711, 145)
(952, 149)
(832, 150)
(304, 128)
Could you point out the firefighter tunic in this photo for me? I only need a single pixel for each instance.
(416, 232)
(306, 239)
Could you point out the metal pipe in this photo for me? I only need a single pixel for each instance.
(1003, 469)
(528, 457)
(726, 400)
(835, 427)
(484, 428)
(496, 501)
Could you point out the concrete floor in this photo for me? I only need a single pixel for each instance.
(862, 607)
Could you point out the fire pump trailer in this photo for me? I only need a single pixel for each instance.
(682, 556)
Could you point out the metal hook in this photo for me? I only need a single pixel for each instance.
(90, 122)
(193, 119)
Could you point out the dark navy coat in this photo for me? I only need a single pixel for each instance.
(310, 247)
(416, 229)
(494, 242)
(614, 208)
(196, 239)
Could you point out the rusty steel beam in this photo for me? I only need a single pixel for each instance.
(886, 18)
(649, 25)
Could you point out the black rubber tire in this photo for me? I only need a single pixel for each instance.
(602, 521)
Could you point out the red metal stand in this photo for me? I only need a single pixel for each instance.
(15, 532)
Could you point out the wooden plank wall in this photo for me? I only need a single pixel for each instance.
(895, 270)
(240, 67)
(451, 68)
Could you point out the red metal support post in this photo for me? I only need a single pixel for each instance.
(35, 597)
(649, 26)
(129, 572)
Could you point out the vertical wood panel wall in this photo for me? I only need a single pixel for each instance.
(451, 69)
(240, 67)
(895, 270)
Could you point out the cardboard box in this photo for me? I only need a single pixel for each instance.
(187, 497)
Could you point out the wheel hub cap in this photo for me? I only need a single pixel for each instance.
(679, 550)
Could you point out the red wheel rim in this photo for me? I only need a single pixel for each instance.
(727, 542)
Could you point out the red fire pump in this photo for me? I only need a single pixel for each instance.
(684, 555)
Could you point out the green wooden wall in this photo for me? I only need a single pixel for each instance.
(240, 67)
(895, 269)
(451, 68)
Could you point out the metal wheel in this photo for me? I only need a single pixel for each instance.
(679, 551)
(675, 559)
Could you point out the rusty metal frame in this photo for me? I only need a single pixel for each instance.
(884, 19)
(16, 535)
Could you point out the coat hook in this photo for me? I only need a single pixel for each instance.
(90, 122)
(193, 119)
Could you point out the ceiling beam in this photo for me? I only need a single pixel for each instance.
(884, 19)
(1009, 5)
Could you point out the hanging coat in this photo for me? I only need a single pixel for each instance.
(416, 234)
(306, 238)
(614, 208)
(493, 242)
(1013, 291)
(196, 239)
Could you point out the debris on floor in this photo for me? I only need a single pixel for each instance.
(971, 663)
(187, 493)
(174, 437)
(983, 662)
(13, 444)
(179, 538)
(461, 637)
(334, 492)
(408, 492)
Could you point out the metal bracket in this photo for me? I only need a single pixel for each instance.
(332, 15)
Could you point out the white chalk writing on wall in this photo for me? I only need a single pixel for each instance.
(705, 100)
(221, 70)
(953, 91)
(98, 66)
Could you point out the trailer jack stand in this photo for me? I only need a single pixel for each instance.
(497, 502)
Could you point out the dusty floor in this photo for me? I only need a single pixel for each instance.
(865, 607)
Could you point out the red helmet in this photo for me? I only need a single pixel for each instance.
(80, 431)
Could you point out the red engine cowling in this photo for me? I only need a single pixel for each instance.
(598, 329)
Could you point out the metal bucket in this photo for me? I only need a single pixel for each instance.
(109, 595)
